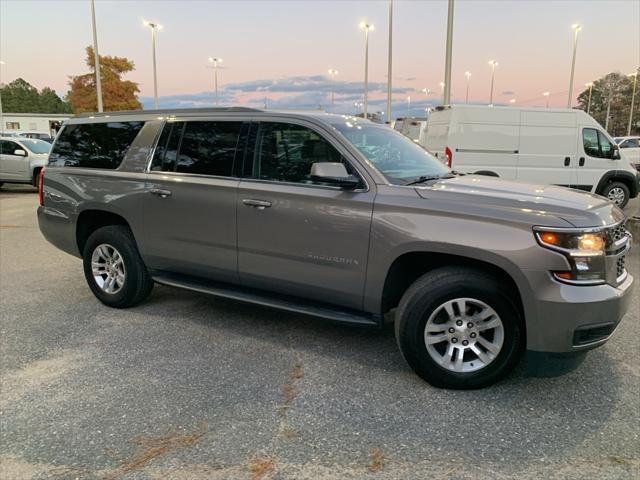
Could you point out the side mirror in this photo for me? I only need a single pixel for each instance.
(615, 155)
(18, 152)
(333, 173)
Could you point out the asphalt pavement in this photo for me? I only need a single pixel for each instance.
(187, 386)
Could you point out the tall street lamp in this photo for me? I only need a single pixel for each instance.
(546, 94)
(467, 76)
(214, 63)
(493, 64)
(389, 66)
(446, 98)
(633, 97)
(96, 57)
(154, 28)
(367, 27)
(332, 73)
(576, 28)
(1, 120)
(590, 85)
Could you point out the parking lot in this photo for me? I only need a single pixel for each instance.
(188, 386)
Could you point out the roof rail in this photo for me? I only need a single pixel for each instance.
(166, 111)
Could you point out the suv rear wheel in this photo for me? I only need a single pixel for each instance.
(457, 328)
(114, 270)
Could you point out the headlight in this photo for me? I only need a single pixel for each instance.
(585, 252)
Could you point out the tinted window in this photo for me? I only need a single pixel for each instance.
(631, 143)
(285, 153)
(606, 148)
(205, 148)
(164, 158)
(94, 145)
(7, 147)
(208, 148)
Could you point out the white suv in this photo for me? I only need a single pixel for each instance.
(630, 149)
(21, 159)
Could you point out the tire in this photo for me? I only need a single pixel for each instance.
(617, 192)
(425, 304)
(113, 252)
(34, 180)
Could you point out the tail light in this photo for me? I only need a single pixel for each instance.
(449, 154)
(40, 187)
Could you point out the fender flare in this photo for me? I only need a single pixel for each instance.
(620, 175)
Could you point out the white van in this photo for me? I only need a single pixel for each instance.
(563, 147)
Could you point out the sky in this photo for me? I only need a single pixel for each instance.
(281, 50)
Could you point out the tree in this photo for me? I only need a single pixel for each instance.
(20, 96)
(617, 89)
(117, 94)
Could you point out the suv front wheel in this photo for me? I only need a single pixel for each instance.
(457, 328)
(114, 270)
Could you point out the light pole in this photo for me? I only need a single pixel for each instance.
(154, 27)
(1, 120)
(606, 121)
(576, 28)
(367, 27)
(96, 57)
(442, 85)
(590, 85)
(332, 73)
(467, 76)
(546, 94)
(214, 63)
(389, 67)
(408, 107)
(493, 64)
(446, 99)
(633, 97)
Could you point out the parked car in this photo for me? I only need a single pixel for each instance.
(340, 218)
(39, 135)
(630, 148)
(564, 147)
(21, 159)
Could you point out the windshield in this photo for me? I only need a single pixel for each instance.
(36, 146)
(399, 159)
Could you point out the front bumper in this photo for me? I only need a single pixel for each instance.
(570, 318)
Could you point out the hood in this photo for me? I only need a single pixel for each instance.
(579, 209)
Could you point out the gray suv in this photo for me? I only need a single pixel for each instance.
(337, 217)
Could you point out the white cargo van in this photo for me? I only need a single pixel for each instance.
(549, 146)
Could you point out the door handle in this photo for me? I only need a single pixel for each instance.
(160, 192)
(567, 161)
(259, 204)
(581, 162)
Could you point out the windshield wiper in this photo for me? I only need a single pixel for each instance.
(426, 178)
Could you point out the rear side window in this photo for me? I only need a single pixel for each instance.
(94, 145)
(203, 148)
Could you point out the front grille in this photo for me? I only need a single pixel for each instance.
(618, 233)
(620, 269)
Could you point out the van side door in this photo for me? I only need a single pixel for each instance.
(296, 236)
(190, 205)
(595, 158)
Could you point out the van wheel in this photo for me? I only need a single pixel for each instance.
(457, 328)
(617, 192)
(114, 270)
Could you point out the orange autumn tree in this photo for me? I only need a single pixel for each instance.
(117, 94)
